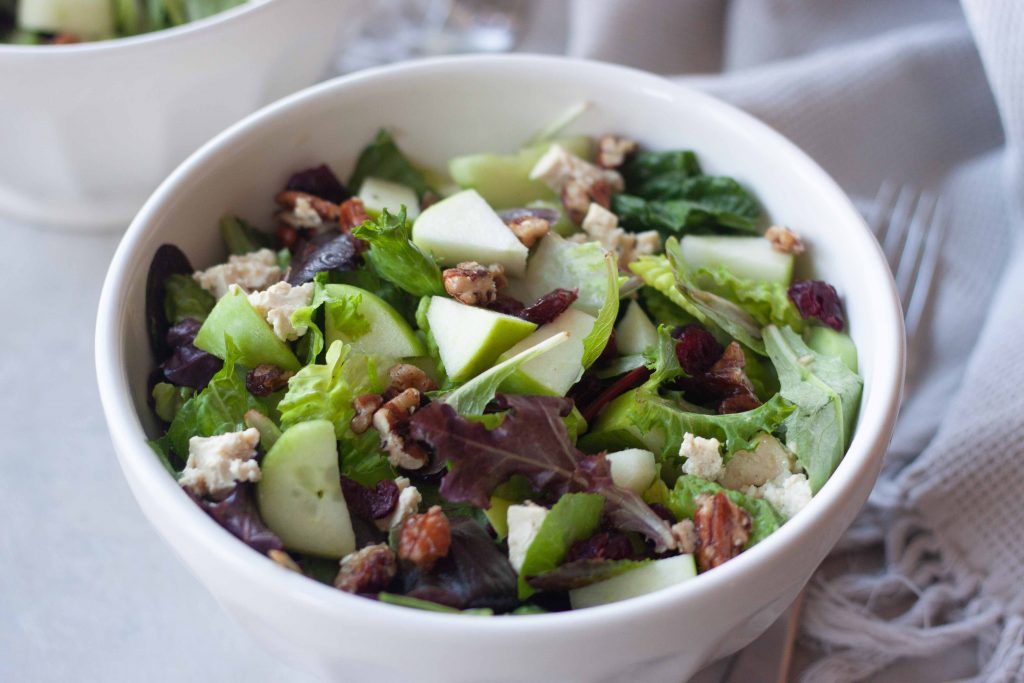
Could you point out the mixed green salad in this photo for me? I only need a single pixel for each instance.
(59, 22)
(545, 380)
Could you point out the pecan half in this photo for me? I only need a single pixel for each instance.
(473, 284)
(352, 213)
(405, 376)
(369, 570)
(784, 240)
(365, 406)
(392, 423)
(529, 229)
(293, 199)
(612, 151)
(722, 527)
(425, 538)
(265, 379)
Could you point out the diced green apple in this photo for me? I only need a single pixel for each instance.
(504, 179)
(299, 493)
(235, 317)
(379, 194)
(388, 335)
(633, 469)
(829, 342)
(647, 579)
(635, 333)
(87, 19)
(470, 339)
(749, 258)
(464, 227)
(554, 372)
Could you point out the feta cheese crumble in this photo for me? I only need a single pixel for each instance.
(703, 457)
(278, 303)
(787, 493)
(252, 271)
(409, 499)
(523, 524)
(558, 166)
(603, 226)
(215, 463)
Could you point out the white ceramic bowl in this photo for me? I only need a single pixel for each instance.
(89, 130)
(437, 109)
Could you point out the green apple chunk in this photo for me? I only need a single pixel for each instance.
(469, 339)
(633, 469)
(749, 258)
(828, 342)
(388, 334)
(235, 317)
(299, 492)
(635, 333)
(555, 371)
(87, 19)
(464, 227)
(379, 194)
(504, 179)
(558, 263)
(647, 579)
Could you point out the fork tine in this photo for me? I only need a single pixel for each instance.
(910, 258)
(922, 286)
(899, 223)
(884, 201)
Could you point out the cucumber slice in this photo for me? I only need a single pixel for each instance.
(647, 579)
(299, 492)
(388, 335)
(828, 342)
(87, 19)
(749, 258)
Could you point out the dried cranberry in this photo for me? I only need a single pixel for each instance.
(604, 545)
(697, 350)
(320, 181)
(367, 503)
(817, 299)
(265, 379)
(549, 306)
(724, 384)
(611, 350)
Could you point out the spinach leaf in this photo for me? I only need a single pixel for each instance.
(700, 204)
(650, 174)
(826, 394)
(395, 257)
(682, 502)
(574, 517)
(382, 159)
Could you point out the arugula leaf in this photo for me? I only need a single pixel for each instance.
(827, 396)
(728, 316)
(325, 392)
(241, 238)
(472, 397)
(382, 159)
(699, 204)
(395, 258)
(573, 518)
(682, 502)
(597, 339)
(217, 409)
(580, 573)
(184, 298)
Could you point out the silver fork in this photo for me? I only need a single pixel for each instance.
(910, 226)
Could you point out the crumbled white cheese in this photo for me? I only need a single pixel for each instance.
(647, 243)
(278, 302)
(523, 524)
(787, 493)
(409, 499)
(215, 463)
(603, 226)
(558, 166)
(252, 271)
(305, 215)
(703, 457)
(768, 460)
(685, 535)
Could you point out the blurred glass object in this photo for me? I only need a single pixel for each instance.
(393, 30)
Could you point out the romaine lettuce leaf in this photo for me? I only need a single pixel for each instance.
(826, 394)
(682, 502)
(382, 159)
(395, 258)
(217, 409)
(574, 517)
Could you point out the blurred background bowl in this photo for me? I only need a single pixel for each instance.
(438, 109)
(91, 129)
